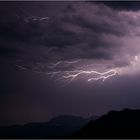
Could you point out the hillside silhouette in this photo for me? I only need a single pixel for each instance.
(55, 128)
(115, 124)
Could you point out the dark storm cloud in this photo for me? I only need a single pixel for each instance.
(123, 5)
(19, 31)
(58, 36)
(80, 30)
(67, 31)
(96, 27)
(89, 32)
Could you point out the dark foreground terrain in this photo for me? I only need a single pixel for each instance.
(115, 124)
(55, 128)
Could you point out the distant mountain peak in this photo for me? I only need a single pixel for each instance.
(56, 127)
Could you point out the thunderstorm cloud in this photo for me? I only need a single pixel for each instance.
(40, 42)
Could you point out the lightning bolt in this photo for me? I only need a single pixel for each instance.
(54, 65)
(73, 75)
(72, 62)
(105, 75)
(29, 17)
(35, 18)
(69, 76)
(90, 75)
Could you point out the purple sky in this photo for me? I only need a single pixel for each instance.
(44, 45)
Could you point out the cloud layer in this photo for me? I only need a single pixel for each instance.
(77, 35)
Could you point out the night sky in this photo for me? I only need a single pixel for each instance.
(75, 58)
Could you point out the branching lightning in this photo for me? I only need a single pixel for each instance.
(71, 75)
(29, 17)
(54, 65)
(89, 75)
(56, 70)
(35, 18)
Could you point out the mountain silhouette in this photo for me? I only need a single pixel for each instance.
(55, 128)
(115, 124)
